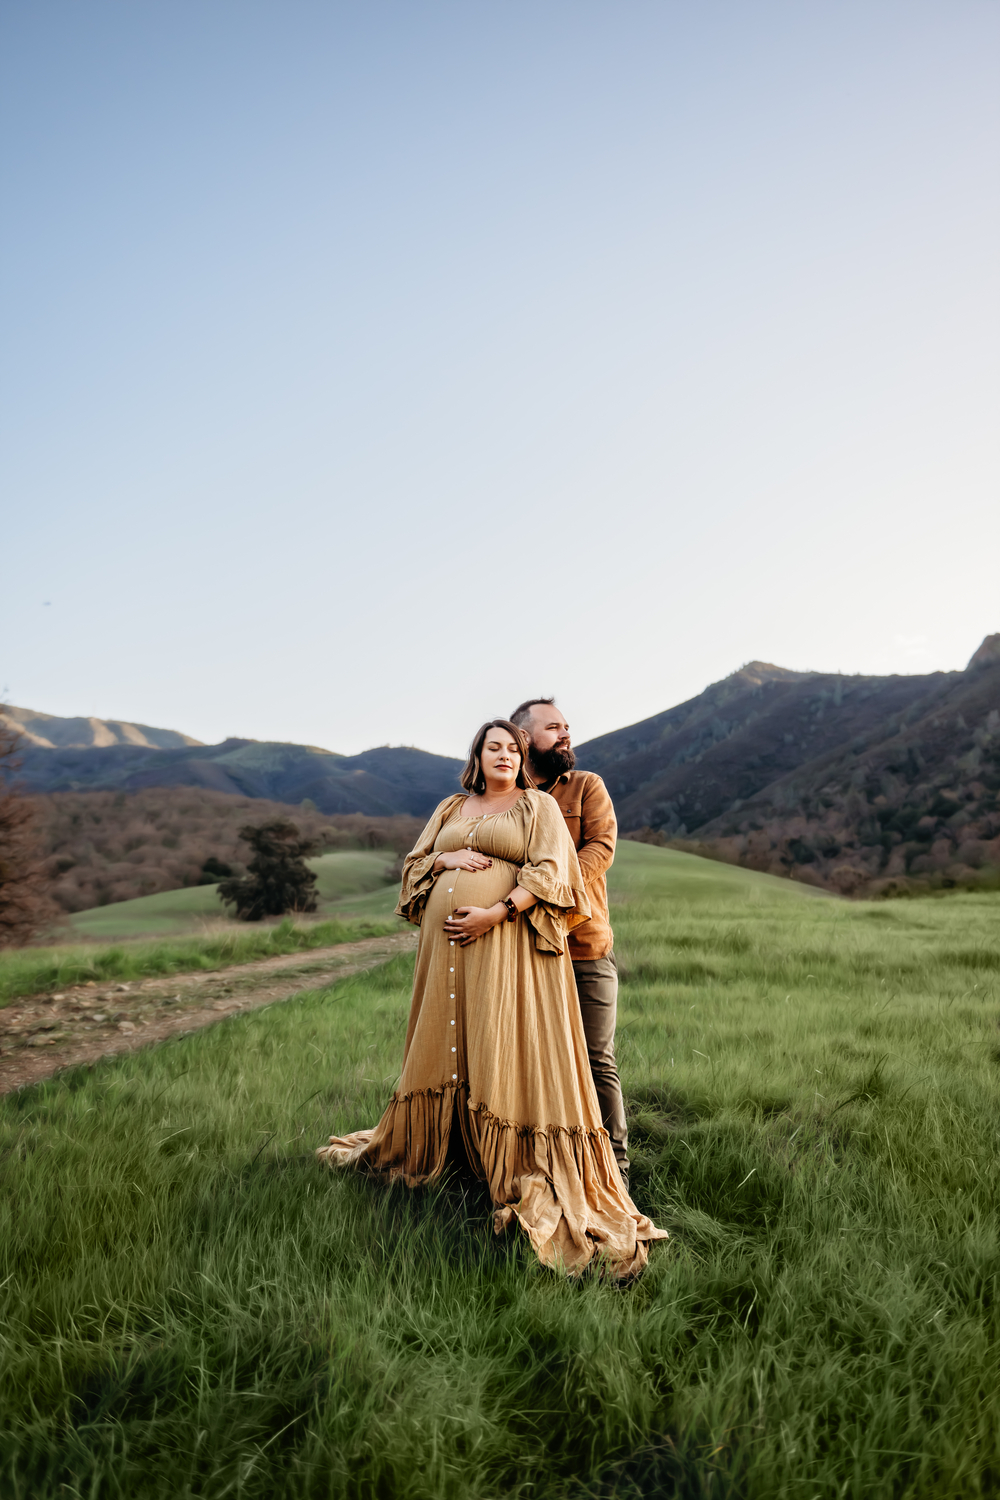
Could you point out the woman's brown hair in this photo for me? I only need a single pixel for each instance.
(472, 777)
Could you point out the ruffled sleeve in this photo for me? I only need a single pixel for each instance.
(418, 866)
(551, 872)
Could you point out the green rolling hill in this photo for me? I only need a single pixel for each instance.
(351, 881)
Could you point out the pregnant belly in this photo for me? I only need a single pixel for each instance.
(455, 888)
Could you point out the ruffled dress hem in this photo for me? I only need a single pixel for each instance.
(560, 1183)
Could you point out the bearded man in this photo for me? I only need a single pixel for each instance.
(590, 818)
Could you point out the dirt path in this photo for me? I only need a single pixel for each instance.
(43, 1034)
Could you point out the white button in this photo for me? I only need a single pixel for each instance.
(454, 1049)
(451, 945)
(451, 971)
(453, 999)
(454, 1075)
(450, 889)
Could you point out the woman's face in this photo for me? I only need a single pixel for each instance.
(500, 759)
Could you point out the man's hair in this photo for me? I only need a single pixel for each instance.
(522, 713)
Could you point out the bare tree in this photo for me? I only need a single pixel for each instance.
(25, 905)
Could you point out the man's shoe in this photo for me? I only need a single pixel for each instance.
(624, 1176)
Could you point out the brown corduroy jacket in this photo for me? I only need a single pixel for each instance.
(590, 817)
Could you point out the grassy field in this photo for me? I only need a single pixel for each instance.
(345, 874)
(190, 1306)
(34, 971)
(179, 930)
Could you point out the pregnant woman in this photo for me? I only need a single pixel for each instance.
(495, 1063)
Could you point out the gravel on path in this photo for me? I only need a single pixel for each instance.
(43, 1034)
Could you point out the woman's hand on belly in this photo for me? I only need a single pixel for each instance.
(463, 859)
(470, 922)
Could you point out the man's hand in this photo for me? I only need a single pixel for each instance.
(470, 922)
(463, 859)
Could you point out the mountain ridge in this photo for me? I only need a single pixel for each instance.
(379, 783)
(680, 768)
(856, 782)
(862, 784)
(53, 732)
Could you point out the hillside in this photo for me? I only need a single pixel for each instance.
(855, 783)
(682, 768)
(378, 783)
(50, 732)
(104, 847)
(915, 808)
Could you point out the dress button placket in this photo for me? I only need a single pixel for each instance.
(451, 994)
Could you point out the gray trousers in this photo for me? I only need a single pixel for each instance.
(597, 987)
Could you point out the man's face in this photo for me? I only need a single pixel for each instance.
(547, 728)
(551, 748)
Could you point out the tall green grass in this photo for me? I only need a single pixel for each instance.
(192, 1306)
(30, 971)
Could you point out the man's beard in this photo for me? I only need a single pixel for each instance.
(548, 764)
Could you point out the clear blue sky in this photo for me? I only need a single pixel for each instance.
(369, 367)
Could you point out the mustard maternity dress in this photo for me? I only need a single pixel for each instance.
(495, 1040)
